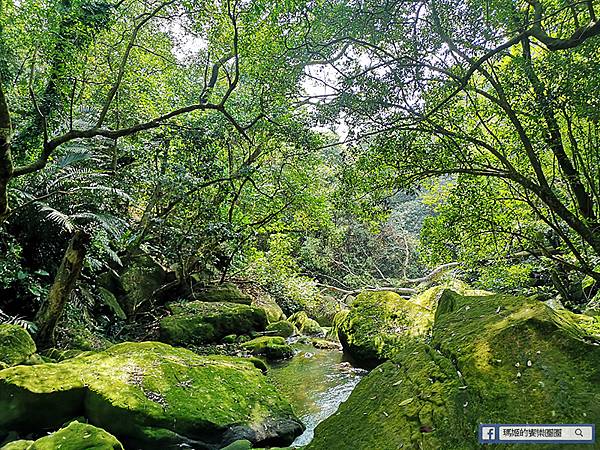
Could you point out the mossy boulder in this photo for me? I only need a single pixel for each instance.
(281, 328)
(325, 344)
(268, 303)
(226, 292)
(16, 344)
(272, 347)
(305, 324)
(142, 277)
(491, 359)
(22, 444)
(242, 444)
(57, 354)
(75, 436)
(205, 322)
(80, 337)
(151, 396)
(378, 324)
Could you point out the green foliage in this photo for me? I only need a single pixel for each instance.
(16, 279)
(449, 92)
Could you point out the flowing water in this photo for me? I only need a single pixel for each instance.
(315, 381)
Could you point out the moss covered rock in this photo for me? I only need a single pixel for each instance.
(242, 444)
(268, 303)
(226, 292)
(22, 444)
(281, 328)
(151, 396)
(57, 354)
(491, 359)
(75, 436)
(378, 324)
(305, 324)
(16, 344)
(80, 337)
(272, 347)
(205, 322)
(325, 344)
(142, 277)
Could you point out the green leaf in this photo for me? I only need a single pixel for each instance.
(112, 303)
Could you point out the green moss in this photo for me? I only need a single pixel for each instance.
(17, 445)
(242, 444)
(272, 347)
(79, 337)
(142, 277)
(205, 322)
(325, 344)
(77, 436)
(259, 364)
(150, 395)
(378, 325)
(388, 407)
(525, 362)
(229, 339)
(305, 324)
(16, 344)
(226, 292)
(58, 354)
(282, 328)
(268, 303)
(491, 359)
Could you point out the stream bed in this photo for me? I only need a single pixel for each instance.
(316, 382)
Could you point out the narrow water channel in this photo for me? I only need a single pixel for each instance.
(315, 381)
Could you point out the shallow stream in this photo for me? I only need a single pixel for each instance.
(316, 382)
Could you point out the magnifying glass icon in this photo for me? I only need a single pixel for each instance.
(578, 432)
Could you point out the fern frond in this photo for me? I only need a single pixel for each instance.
(113, 255)
(112, 302)
(59, 218)
(113, 191)
(93, 263)
(74, 174)
(110, 223)
(17, 320)
(74, 157)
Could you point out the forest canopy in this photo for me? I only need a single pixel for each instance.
(314, 148)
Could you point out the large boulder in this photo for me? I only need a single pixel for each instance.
(81, 337)
(271, 347)
(151, 396)
(75, 436)
(16, 345)
(305, 324)
(139, 282)
(378, 323)
(491, 359)
(226, 292)
(268, 303)
(205, 322)
(281, 328)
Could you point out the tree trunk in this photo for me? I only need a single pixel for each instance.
(6, 163)
(64, 282)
